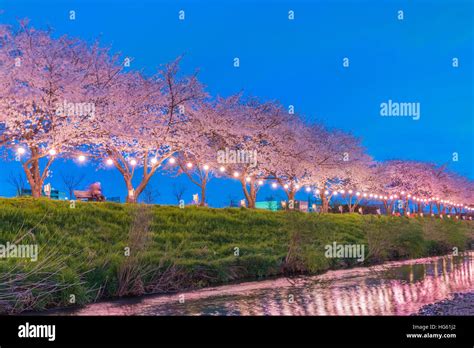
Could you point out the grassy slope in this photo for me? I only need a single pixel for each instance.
(82, 249)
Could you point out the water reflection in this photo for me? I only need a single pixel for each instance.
(394, 289)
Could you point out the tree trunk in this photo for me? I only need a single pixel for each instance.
(291, 197)
(324, 203)
(251, 196)
(132, 196)
(388, 207)
(202, 203)
(36, 189)
(247, 195)
(138, 191)
(353, 206)
(32, 171)
(385, 205)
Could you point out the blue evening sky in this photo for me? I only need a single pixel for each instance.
(298, 62)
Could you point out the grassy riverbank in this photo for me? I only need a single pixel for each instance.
(83, 251)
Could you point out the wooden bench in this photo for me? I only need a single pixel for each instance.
(86, 195)
(83, 195)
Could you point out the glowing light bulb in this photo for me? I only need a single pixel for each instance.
(155, 161)
(81, 158)
(236, 174)
(172, 160)
(109, 161)
(357, 193)
(308, 189)
(20, 150)
(285, 186)
(247, 179)
(52, 152)
(365, 195)
(222, 169)
(189, 165)
(326, 192)
(350, 192)
(133, 162)
(317, 191)
(297, 186)
(260, 182)
(342, 191)
(205, 167)
(274, 185)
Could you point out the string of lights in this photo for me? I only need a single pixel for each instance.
(359, 194)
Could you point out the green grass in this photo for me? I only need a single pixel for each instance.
(82, 249)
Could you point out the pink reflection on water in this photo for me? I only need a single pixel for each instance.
(396, 297)
(396, 288)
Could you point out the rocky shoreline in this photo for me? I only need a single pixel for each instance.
(459, 304)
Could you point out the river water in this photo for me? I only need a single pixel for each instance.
(394, 288)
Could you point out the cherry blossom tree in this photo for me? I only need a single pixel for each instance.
(356, 180)
(338, 163)
(198, 159)
(293, 156)
(63, 97)
(453, 189)
(197, 167)
(38, 74)
(143, 122)
(409, 180)
(248, 137)
(391, 182)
